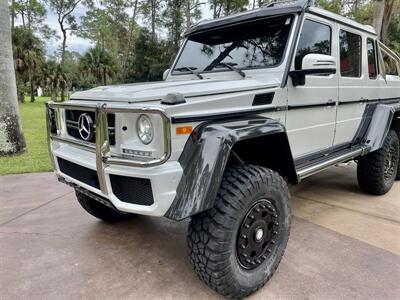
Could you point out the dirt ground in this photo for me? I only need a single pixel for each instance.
(344, 245)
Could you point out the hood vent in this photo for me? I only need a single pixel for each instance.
(263, 99)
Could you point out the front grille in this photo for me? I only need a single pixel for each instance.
(72, 117)
(132, 190)
(82, 174)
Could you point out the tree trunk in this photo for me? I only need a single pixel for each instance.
(386, 20)
(11, 137)
(188, 14)
(214, 9)
(12, 15)
(21, 96)
(29, 14)
(378, 16)
(64, 43)
(153, 19)
(53, 93)
(31, 87)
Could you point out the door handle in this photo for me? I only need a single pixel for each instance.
(331, 103)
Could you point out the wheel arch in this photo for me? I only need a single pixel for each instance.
(270, 151)
(212, 146)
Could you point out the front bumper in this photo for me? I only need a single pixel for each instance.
(96, 169)
(164, 179)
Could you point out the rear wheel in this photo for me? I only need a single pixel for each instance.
(236, 246)
(378, 170)
(397, 128)
(99, 210)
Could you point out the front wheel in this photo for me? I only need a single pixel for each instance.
(236, 246)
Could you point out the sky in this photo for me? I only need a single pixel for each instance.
(75, 43)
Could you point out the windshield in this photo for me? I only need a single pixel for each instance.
(247, 46)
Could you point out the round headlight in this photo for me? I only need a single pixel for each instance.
(145, 129)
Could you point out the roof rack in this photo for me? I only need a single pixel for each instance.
(272, 9)
(283, 3)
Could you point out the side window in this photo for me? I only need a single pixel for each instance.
(315, 38)
(350, 54)
(390, 65)
(372, 69)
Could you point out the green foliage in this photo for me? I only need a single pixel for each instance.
(28, 52)
(150, 59)
(100, 63)
(394, 30)
(107, 27)
(52, 77)
(334, 6)
(32, 14)
(226, 7)
(364, 14)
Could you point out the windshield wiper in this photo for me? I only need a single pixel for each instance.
(230, 67)
(191, 70)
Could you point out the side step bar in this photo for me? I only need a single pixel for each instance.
(321, 165)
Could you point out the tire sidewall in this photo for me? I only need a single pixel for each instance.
(280, 199)
(393, 141)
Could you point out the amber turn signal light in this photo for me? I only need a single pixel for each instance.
(184, 130)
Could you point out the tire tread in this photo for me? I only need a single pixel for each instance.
(207, 249)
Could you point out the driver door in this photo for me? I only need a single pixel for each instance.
(311, 115)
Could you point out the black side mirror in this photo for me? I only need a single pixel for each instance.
(299, 76)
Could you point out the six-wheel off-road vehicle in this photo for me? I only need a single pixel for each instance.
(253, 102)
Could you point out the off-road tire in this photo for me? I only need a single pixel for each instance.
(397, 128)
(99, 210)
(371, 167)
(213, 235)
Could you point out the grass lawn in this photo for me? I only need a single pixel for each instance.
(36, 158)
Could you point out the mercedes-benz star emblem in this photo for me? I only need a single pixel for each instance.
(85, 123)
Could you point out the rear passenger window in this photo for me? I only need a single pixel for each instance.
(350, 54)
(372, 70)
(390, 65)
(315, 38)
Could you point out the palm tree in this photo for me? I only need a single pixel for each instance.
(53, 77)
(98, 62)
(11, 138)
(28, 56)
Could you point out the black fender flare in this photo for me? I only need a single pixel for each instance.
(205, 157)
(380, 124)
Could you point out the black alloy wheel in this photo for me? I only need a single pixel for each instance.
(257, 235)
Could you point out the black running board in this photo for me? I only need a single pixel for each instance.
(330, 160)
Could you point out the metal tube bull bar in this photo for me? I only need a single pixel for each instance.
(102, 148)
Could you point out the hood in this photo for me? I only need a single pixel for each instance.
(155, 91)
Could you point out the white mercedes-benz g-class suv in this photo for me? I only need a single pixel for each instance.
(252, 103)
